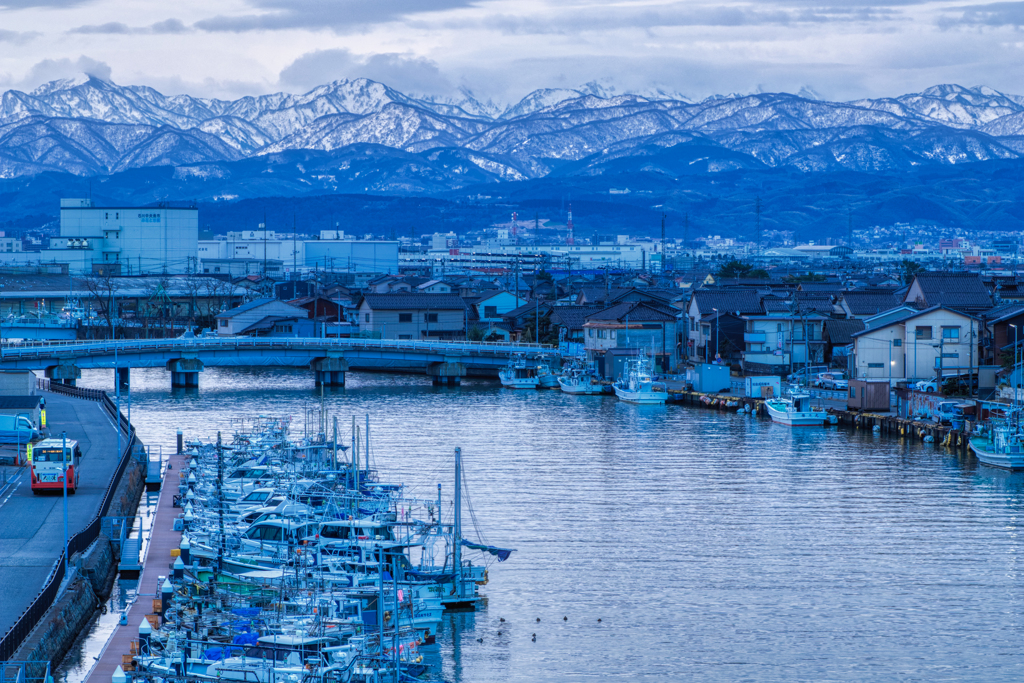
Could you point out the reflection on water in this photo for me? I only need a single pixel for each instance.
(711, 546)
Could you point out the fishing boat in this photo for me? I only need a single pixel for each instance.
(795, 411)
(519, 374)
(636, 385)
(1000, 446)
(580, 379)
(546, 379)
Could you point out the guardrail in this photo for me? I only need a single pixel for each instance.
(69, 348)
(32, 615)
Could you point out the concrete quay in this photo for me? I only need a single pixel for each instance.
(163, 539)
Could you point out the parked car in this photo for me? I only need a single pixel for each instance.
(803, 375)
(832, 380)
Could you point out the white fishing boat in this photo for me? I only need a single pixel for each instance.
(580, 379)
(519, 374)
(1000, 446)
(795, 411)
(636, 385)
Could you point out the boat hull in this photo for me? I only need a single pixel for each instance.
(982, 448)
(520, 383)
(581, 389)
(641, 397)
(548, 382)
(795, 419)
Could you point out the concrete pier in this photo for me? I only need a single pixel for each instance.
(158, 560)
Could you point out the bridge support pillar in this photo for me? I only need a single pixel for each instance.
(64, 373)
(330, 371)
(185, 372)
(447, 374)
(124, 377)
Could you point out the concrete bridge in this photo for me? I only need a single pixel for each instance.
(329, 359)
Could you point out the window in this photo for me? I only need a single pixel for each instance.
(430, 317)
(405, 336)
(853, 392)
(223, 323)
(897, 342)
(490, 311)
(951, 334)
(923, 332)
(591, 333)
(613, 334)
(367, 317)
(876, 365)
(405, 317)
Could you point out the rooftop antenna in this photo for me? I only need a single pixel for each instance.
(515, 227)
(264, 226)
(569, 238)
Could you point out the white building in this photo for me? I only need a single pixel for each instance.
(917, 346)
(340, 255)
(120, 240)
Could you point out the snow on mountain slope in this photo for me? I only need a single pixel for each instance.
(89, 125)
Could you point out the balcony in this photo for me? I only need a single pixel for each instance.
(755, 337)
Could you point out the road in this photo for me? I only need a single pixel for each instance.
(32, 527)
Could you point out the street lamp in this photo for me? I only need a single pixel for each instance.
(718, 344)
(64, 458)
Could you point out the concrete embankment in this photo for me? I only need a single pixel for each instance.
(886, 425)
(96, 570)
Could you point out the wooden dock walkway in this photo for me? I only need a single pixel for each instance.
(157, 563)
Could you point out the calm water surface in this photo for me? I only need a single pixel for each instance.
(712, 546)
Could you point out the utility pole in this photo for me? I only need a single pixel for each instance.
(757, 211)
(662, 244)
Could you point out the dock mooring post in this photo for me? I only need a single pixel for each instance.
(181, 443)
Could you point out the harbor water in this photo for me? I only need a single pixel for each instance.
(661, 543)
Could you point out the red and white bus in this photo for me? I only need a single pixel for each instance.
(48, 461)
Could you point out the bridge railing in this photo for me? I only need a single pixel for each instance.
(35, 612)
(70, 348)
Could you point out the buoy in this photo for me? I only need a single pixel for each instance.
(876, 429)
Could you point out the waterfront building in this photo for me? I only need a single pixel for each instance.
(487, 311)
(413, 316)
(918, 345)
(628, 327)
(290, 254)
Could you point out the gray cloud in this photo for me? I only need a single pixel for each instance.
(17, 37)
(169, 26)
(994, 14)
(50, 4)
(116, 27)
(54, 69)
(318, 14)
(402, 72)
(112, 27)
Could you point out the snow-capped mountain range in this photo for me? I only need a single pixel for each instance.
(89, 126)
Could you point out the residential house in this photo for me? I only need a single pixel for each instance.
(837, 335)
(621, 330)
(956, 290)
(786, 334)
(236, 320)
(487, 312)
(920, 345)
(571, 319)
(866, 303)
(703, 304)
(413, 316)
(434, 287)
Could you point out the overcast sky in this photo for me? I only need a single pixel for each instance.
(503, 49)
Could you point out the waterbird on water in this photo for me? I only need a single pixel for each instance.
(534, 637)
(565, 618)
(502, 620)
(538, 620)
(479, 640)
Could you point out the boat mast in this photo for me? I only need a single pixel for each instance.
(457, 533)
